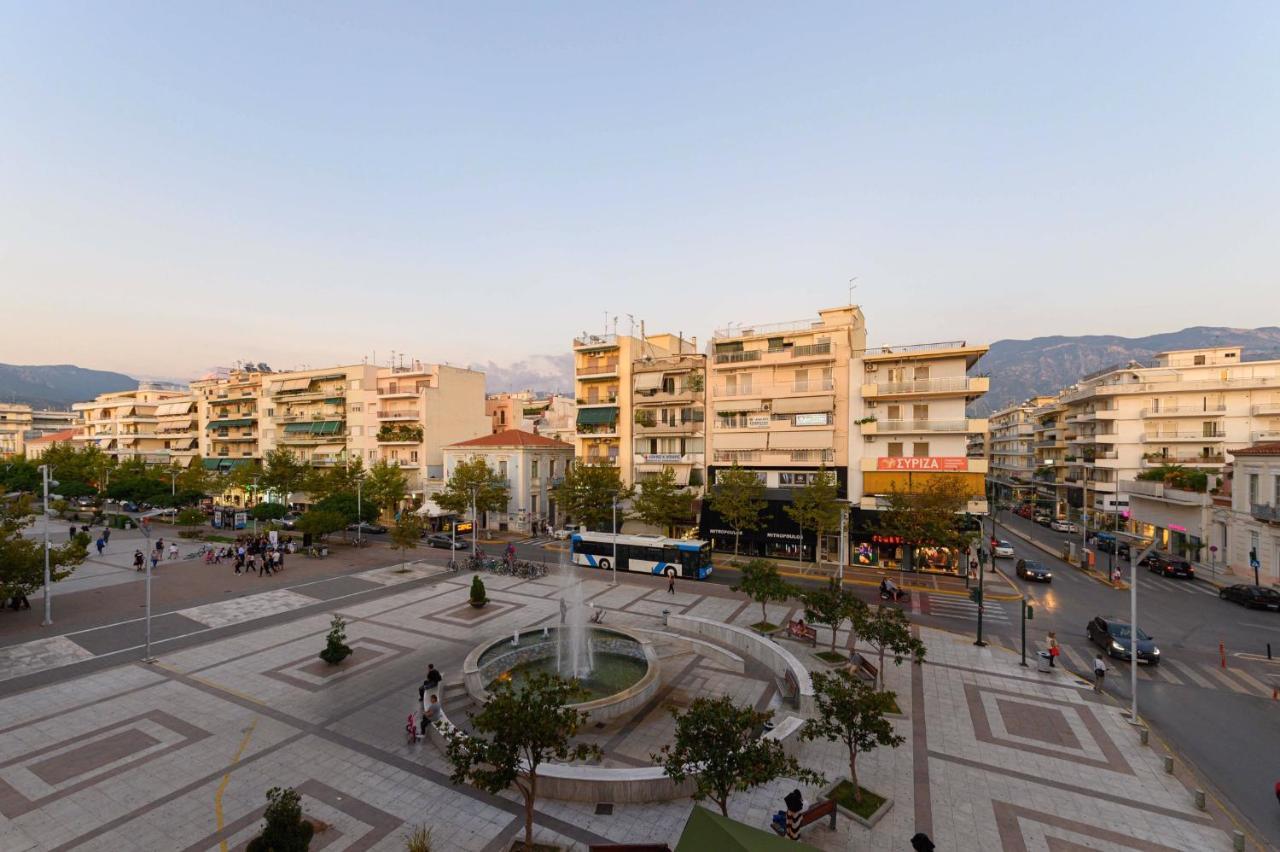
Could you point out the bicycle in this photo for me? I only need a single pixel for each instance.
(453, 567)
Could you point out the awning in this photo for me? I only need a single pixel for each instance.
(804, 404)
(725, 405)
(290, 385)
(167, 409)
(681, 470)
(315, 427)
(224, 464)
(821, 439)
(335, 400)
(741, 440)
(597, 416)
(648, 381)
(429, 509)
(243, 421)
(297, 427)
(181, 461)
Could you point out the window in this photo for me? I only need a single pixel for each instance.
(502, 468)
(895, 450)
(801, 380)
(413, 455)
(922, 374)
(920, 449)
(357, 431)
(668, 384)
(776, 344)
(357, 406)
(502, 417)
(919, 412)
(533, 503)
(1253, 489)
(795, 480)
(533, 468)
(1275, 495)
(1198, 361)
(552, 466)
(894, 413)
(271, 412)
(896, 375)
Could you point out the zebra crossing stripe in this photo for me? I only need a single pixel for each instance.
(1252, 681)
(1075, 659)
(1189, 672)
(1229, 682)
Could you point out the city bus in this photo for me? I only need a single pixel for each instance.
(653, 554)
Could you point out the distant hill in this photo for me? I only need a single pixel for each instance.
(1042, 365)
(553, 373)
(57, 385)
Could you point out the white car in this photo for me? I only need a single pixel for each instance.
(564, 533)
(1004, 550)
(1059, 525)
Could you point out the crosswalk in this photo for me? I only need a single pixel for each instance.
(536, 541)
(1152, 583)
(946, 606)
(1204, 675)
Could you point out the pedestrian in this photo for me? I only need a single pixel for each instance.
(920, 842)
(106, 534)
(155, 559)
(173, 550)
(71, 533)
(433, 677)
(138, 559)
(237, 562)
(1054, 650)
(100, 544)
(1099, 671)
(671, 582)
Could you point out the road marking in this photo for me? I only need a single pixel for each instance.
(1076, 660)
(1162, 673)
(1189, 673)
(217, 797)
(1228, 682)
(1252, 681)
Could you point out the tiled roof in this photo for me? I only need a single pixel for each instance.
(55, 437)
(514, 438)
(1271, 448)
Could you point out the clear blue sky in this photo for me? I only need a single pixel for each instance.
(185, 184)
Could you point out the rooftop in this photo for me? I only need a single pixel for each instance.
(514, 438)
(1271, 448)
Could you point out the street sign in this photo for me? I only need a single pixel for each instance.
(1255, 564)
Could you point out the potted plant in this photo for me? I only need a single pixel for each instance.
(336, 648)
(478, 597)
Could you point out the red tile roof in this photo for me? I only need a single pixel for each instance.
(55, 437)
(1271, 448)
(514, 438)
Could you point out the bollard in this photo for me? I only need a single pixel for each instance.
(1237, 840)
(1144, 734)
(1222, 655)
(665, 614)
(1268, 650)
(1199, 800)
(1168, 764)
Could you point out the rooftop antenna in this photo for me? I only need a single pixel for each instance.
(852, 287)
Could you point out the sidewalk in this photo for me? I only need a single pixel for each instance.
(995, 585)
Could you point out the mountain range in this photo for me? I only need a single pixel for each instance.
(57, 385)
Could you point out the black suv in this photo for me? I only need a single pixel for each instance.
(1113, 635)
(1252, 597)
(1168, 565)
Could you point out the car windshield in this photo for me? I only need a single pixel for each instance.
(1004, 544)
(1034, 566)
(1121, 631)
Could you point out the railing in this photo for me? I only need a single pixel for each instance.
(592, 340)
(1175, 434)
(598, 369)
(387, 415)
(916, 347)
(1160, 491)
(767, 328)
(1263, 512)
(947, 384)
(1266, 408)
(738, 357)
(1171, 386)
(768, 391)
(1157, 460)
(810, 349)
(1265, 435)
(1184, 410)
(730, 456)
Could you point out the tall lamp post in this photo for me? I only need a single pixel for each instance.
(614, 529)
(48, 600)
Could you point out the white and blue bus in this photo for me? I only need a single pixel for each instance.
(653, 554)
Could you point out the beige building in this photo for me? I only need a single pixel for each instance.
(1012, 452)
(1049, 441)
(136, 424)
(558, 419)
(37, 446)
(15, 423)
(668, 414)
(533, 466)
(228, 408)
(1250, 529)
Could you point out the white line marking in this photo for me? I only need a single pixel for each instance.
(1189, 673)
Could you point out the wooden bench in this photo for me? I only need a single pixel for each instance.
(825, 808)
(864, 669)
(803, 632)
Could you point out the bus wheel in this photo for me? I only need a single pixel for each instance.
(604, 564)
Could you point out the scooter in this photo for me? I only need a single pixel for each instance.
(897, 595)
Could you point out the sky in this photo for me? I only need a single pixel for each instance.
(183, 185)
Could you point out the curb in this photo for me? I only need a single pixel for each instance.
(957, 593)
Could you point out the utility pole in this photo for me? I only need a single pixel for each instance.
(614, 565)
(475, 522)
(48, 601)
(145, 526)
(1025, 612)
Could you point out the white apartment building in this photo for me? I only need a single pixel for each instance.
(1011, 450)
(533, 466)
(128, 425)
(15, 423)
(1250, 530)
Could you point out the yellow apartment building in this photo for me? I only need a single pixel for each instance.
(228, 410)
(127, 424)
(668, 414)
(15, 422)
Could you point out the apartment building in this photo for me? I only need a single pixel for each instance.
(668, 414)
(228, 411)
(15, 423)
(1011, 451)
(558, 419)
(507, 410)
(912, 428)
(128, 425)
(1247, 534)
(603, 388)
(1186, 409)
(533, 466)
(1049, 441)
(37, 446)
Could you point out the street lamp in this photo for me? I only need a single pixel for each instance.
(614, 530)
(359, 510)
(48, 599)
(1134, 558)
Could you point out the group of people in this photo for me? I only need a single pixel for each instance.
(255, 553)
(157, 554)
(429, 698)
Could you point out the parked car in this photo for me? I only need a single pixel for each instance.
(1032, 570)
(446, 541)
(126, 506)
(1043, 518)
(1252, 597)
(1113, 635)
(1026, 510)
(1107, 543)
(290, 520)
(1003, 550)
(1168, 565)
(564, 533)
(1063, 526)
(367, 528)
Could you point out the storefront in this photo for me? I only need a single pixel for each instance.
(871, 548)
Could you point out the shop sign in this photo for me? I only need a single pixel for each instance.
(811, 419)
(463, 527)
(662, 457)
(757, 421)
(941, 463)
(787, 536)
(887, 539)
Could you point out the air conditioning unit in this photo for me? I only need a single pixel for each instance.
(767, 405)
(869, 439)
(871, 368)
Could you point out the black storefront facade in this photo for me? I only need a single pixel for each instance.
(777, 536)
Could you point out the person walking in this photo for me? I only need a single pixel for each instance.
(1054, 650)
(173, 550)
(71, 533)
(100, 544)
(138, 560)
(155, 559)
(106, 535)
(1099, 671)
(671, 582)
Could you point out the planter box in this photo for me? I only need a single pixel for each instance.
(870, 821)
(479, 604)
(836, 665)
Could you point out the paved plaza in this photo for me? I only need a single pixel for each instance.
(177, 755)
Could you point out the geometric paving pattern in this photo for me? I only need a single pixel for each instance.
(1025, 830)
(314, 674)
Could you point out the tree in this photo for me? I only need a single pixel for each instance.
(318, 523)
(662, 502)
(19, 475)
(385, 486)
(762, 583)
(284, 474)
(284, 829)
(406, 533)
(194, 479)
(22, 558)
(738, 497)
(518, 729)
(189, 518)
(88, 466)
(474, 476)
(478, 595)
(852, 712)
(929, 514)
(336, 648)
(816, 506)
(588, 493)
(718, 744)
(887, 630)
(832, 607)
(350, 506)
(339, 479)
(268, 511)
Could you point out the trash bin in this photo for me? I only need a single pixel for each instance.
(1042, 661)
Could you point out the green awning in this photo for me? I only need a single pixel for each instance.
(315, 427)
(213, 464)
(297, 427)
(597, 416)
(222, 424)
(336, 400)
(708, 830)
(225, 464)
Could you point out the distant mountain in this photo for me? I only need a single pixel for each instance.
(552, 373)
(1042, 365)
(57, 385)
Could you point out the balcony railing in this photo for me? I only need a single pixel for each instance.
(593, 341)
(395, 414)
(769, 391)
(1184, 411)
(767, 328)
(922, 426)
(738, 357)
(775, 456)
(1266, 408)
(1265, 435)
(811, 349)
(944, 384)
(880, 351)
(599, 369)
(1263, 512)
(1157, 460)
(1184, 435)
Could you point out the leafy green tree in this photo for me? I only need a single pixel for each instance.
(88, 466)
(349, 507)
(336, 648)
(319, 523)
(832, 607)
(339, 479)
(718, 744)
(284, 829)
(761, 582)
(406, 532)
(190, 518)
(518, 729)
(196, 479)
(816, 506)
(930, 514)
(19, 475)
(852, 712)
(385, 486)
(284, 474)
(268, 511)
(887, 630)
(588, 492)
(22, 557)
(738, 498)
(474, 476)
(662, 502)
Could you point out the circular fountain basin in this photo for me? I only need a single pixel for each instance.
(623, 679)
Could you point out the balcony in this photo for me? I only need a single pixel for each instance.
(1164, 493)
(1188, 435)
(1161, 460)
(1265, 435)
(587, 402)
(773, 390)
(661, 397)
(597, 371)
(667, 458)
(1266, 408)
(218, 437)
(1262, 512)
(398, 393)
(1185, 411)
(881, 427)
(773, 456)
(811, 350)
(942, 386)
(739, 357)
(325, 459)
(659, 427)
(398, 414)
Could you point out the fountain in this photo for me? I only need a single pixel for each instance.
(573, 647)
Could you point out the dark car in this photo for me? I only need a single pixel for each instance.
(1252, 597)
(290, 521)
(1114, 636)
(1168, 565)
(1029, 569)
(1107, 543)
(445, 541)
(367, 528)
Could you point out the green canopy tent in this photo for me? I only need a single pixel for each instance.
(707, 830)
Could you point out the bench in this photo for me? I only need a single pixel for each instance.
(825, 808)
(805, 633)
(864, 669)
